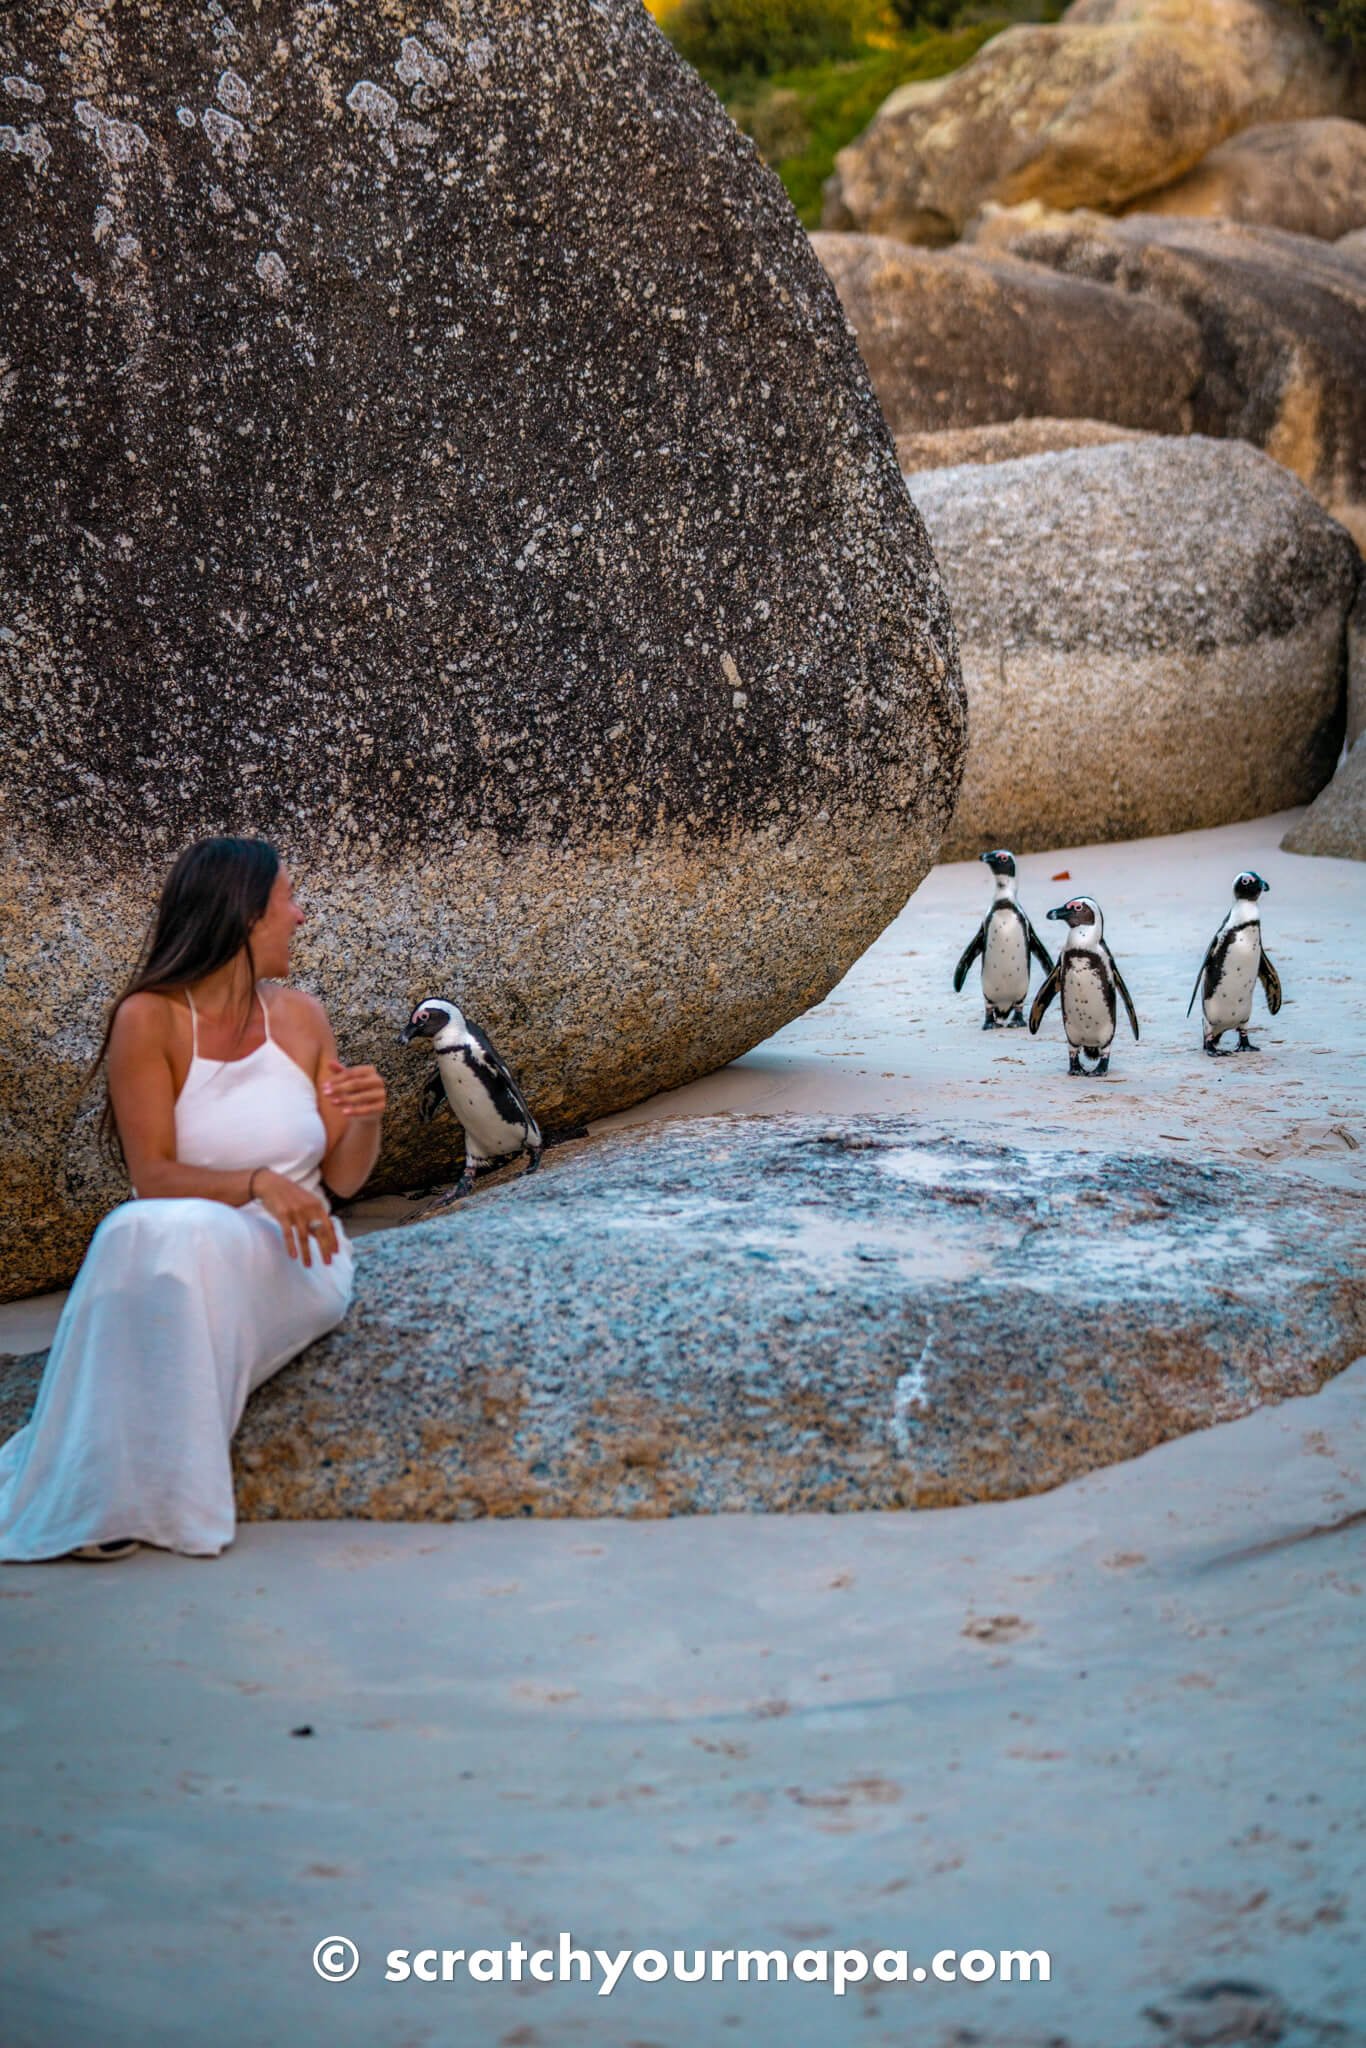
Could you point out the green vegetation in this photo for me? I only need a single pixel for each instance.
(799, 118)
(803, 77)
(1338, 21)
(730, 39)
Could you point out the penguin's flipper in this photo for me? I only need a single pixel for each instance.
(497, 1076)
(1037, 947)
(1271, 982)
(977, 945)
(433, 1098)
(1124, 994)
(1047, 990)
(1203, 970)
(1207, 964)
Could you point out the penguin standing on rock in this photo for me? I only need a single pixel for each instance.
(476, 1082)
(1090, 983)
(1233, 966)
(1005, 939)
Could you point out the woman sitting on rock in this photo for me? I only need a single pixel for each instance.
(230, 1108)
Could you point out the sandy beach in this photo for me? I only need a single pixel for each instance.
(1119, 1721)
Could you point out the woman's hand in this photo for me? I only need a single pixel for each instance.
(304, 1218)
(355, 1091)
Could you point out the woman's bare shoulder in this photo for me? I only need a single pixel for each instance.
(144, 1020)
(296, 1007)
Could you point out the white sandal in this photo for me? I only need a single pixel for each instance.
(104, 1553)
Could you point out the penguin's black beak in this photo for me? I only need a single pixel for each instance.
(407, 1035)
(1061, 911)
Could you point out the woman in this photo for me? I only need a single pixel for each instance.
(231, 1110)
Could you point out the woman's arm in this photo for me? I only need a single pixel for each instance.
(142, 1092)
(352, 1102)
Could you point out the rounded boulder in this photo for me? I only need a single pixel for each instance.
(517, 544)
(1153, 635)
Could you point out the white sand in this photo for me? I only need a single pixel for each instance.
(1107, 1721)
(1121, 1721)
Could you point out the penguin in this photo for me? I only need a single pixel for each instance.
(1005, 939)
(1089, 980)
(473, 1078)
(1234, 963)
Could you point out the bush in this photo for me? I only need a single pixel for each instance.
(732, 38)
(1338, 21)
(800, 118)
(925, 13)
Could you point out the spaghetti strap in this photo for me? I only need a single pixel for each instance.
(194, 1026)
(265, 1013)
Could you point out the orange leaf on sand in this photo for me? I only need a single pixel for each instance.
(1065, 876)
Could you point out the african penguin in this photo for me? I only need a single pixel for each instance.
(1005, 939)
(1089, 980)
(1233, 965)
(484, 1098)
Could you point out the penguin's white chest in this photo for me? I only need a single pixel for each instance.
(1231, 1003)
(1086, 1016)
(1005, 961)
(489, 1134)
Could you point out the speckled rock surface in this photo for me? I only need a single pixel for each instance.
(1004, 441)
(1356, 668)
(429, 440)
(1308, 177)
(1153, 638)
(1119, 98)
(962, 338)
(1335, 823)
(795, 1313)
(1282, 320)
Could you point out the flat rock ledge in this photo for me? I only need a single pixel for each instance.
(796, 1313)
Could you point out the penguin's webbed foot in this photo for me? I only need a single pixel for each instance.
(1017, 1019)
(1214, 1049)
(1074, 1065)
(1102, 1065)
(1245, 1043)
(989, 1021)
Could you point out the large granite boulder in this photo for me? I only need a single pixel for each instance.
(1119, 98)
(1282, 322)
(963, 337)
(430, 441)
(1335, 823)
(1153, 638)
(1004, 441)
(1308, 177)
(735, 1313)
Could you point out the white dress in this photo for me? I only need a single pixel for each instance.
(181, 1308)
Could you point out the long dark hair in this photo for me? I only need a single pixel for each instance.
(211, 899)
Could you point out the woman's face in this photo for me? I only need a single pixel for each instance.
(272, 935)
